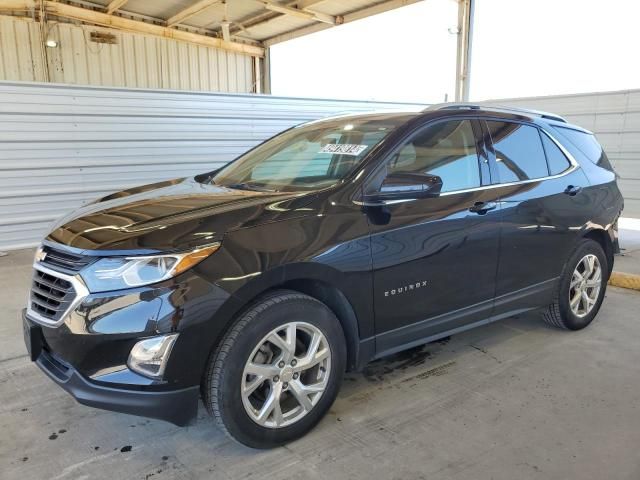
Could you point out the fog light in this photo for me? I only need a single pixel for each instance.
(149, 357)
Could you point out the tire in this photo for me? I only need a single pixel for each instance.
(251, 337)
(560, 313)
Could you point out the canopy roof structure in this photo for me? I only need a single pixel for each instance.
(243, 26)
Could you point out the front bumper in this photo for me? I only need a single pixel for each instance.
(179, 407)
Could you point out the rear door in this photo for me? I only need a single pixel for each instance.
(542, 210)
(434, 259)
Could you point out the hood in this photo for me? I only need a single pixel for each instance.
(174, 215)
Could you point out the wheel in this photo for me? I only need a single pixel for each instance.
(581, 288)
(277, 370)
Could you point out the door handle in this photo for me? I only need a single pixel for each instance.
(482, 207)
(572, 190)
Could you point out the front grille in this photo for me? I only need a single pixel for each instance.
(51, 296)
(66, 261)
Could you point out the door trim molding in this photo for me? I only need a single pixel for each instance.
(416, 334)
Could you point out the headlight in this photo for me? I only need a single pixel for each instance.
(149, 357)
(117, 273)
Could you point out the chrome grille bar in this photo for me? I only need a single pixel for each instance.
(53, 295)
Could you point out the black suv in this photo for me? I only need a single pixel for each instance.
(336, 242)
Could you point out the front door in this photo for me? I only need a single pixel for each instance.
(434, 259)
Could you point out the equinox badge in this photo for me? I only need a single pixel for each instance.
(405, 288)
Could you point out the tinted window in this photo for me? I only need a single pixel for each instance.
(299, 159)
(585, 142)
(310, 156)
(519, 153)
(557, 161)
(446, 149)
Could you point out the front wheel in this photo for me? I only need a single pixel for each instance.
(581, 288)
(277, 371)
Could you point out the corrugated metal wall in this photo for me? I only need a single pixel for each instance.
(62, 146)
(134, 61)
(615, 119)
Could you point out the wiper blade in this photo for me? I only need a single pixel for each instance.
(250, 186)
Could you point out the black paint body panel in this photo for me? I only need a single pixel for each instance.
(395, 275)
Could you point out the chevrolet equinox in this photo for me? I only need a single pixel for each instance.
(339, 241)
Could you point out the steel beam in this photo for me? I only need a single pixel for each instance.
(349, 17)
(120, 23)
(305, 13)
(115, 5)
(464, 49)
(190, 11)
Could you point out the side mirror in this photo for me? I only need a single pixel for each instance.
(405, 186)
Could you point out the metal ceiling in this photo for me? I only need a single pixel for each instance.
(259, 23)
(245, 27)
(254, 20)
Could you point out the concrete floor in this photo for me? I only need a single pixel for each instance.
(512, 400)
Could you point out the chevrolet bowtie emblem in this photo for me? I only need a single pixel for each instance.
(40, 255)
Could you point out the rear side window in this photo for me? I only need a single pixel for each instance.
(519, 153)
(557, 161)
(446, 149)
(585, 142)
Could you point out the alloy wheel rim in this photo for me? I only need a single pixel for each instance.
(586, 282)
(286, 375)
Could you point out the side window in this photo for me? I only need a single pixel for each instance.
(557, 161)
(519, 153)
(585, 142)
(446, 149)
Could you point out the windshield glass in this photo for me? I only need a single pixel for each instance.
(311, 156)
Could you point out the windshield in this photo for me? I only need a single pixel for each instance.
(308, 157)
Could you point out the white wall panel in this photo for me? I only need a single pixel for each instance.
(62, 146)
(615, 119)
(134, 61)
(20, 50)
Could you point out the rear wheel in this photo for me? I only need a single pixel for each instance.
(581, 288)
(277, 371)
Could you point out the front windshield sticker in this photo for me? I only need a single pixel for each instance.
(343, 149)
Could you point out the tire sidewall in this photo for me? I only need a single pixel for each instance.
(571, 320)
(282, 309)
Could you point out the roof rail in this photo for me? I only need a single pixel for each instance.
(497, 108)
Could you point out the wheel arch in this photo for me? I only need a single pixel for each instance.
(338, 303)
(603, 238)
(320, 282)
